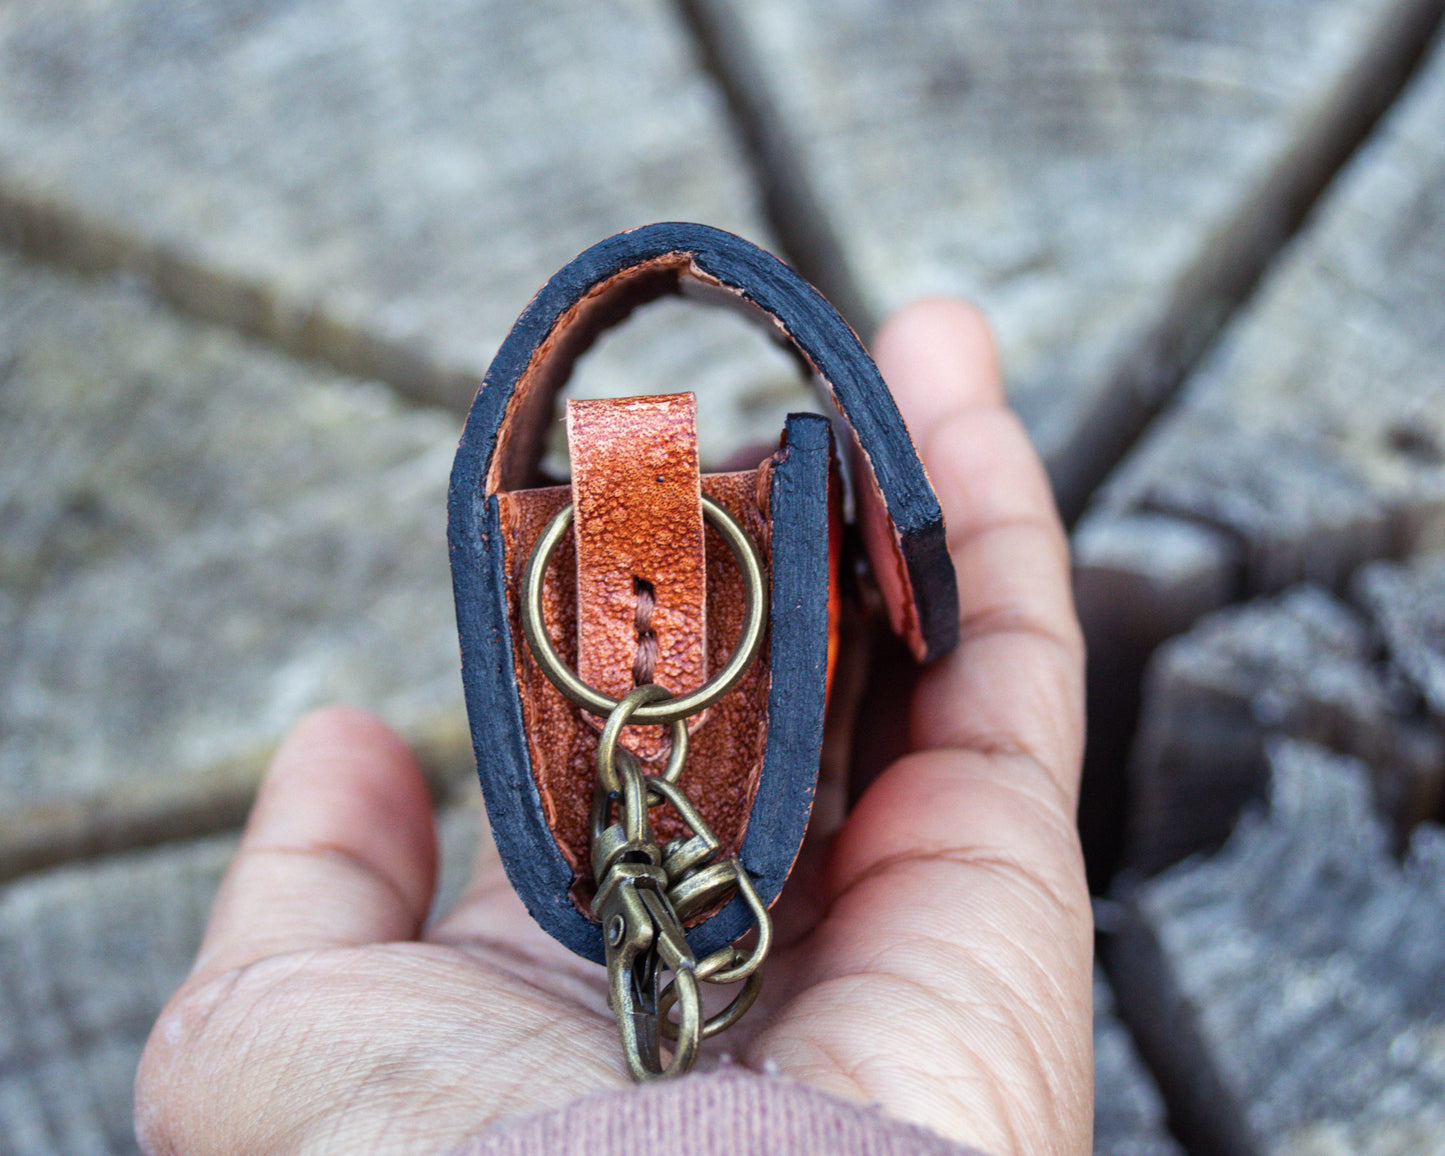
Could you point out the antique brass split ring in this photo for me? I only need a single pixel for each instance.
(668, 710)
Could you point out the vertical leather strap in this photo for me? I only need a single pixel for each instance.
(641, 566)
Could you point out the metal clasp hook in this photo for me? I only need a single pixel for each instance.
(643, 943)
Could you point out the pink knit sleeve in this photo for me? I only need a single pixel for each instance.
(730, 1112)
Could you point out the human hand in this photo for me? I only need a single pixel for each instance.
(937, 964)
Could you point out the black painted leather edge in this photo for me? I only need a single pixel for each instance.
(536, 867)
(798, 656)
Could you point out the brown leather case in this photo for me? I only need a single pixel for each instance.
(644, 589)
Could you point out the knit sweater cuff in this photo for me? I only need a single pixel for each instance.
(730, 1112)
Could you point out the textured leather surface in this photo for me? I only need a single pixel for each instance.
(726, 753)
(754, 759)
(641, 569)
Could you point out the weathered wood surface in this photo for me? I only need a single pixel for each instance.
(201, 539)
(1311, 439)
(1129, 1115)
(1288, 990)
(1106, 178)
(88, 954)
(1305, 666)
(382, 185)
(1140, 580)
(1407, 604)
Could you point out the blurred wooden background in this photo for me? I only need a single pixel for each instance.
(254, 257)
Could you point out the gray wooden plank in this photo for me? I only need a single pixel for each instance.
(1407, 605)
(1309, 440)
(88, 954)
(1138, 580)
(202, 539)
(381, 185)
(1129, 1114)
(1302, 665)
(1313, 438)
(126, 428)
(1105, 178)
(1288, 990)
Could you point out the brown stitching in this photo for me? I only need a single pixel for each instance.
(644, 666)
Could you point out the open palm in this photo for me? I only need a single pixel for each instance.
(935, 950)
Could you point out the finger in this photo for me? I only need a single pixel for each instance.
(488, 911)
(937, 355)
(1014, 681)
(997, 724)
(958, 926)
(340, 848)
(873, 669)
(950, 979)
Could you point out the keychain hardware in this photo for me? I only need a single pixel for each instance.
(645, 891)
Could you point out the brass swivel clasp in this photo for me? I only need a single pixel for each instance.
(644, 945)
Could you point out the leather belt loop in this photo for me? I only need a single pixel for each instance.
(641, 566)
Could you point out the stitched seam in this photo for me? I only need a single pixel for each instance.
(644, 666)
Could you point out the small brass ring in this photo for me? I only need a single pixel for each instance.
(750, 962)
(607, 755)
(627, 779)
(685, 1033)
(707, 970)
(589, 697)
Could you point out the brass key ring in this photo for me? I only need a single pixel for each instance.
(612, 733)
(589, 697)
